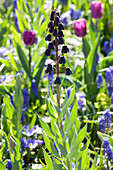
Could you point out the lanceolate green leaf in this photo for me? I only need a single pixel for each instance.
(92, 54)
(70, 100)
(47, 129)
(2, 166)
(48, 161)
(72, 116)
(23, 59)
(39, 70)
(79, 138)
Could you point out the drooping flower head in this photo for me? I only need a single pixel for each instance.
(80, 27)
(96, 10)
(29, 37)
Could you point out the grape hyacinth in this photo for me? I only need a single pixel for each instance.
(107, 149)
(107, 117)
(99, 80)
(109, 80)
(26, 99)
(105, 121)
(34, 87)
(9, 165)
(102, 124)
(108, 46)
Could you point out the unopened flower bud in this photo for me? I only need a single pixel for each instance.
(52, 15)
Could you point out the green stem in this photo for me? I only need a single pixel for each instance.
(18, 113)
(30, 59)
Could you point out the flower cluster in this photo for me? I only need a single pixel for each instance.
(99, 80)
(56, 30)
(15, 15)
(9, 164)
(109, 80)
(105, 121)
(81, 100)
(108, 46)
(107, 149)
(30, 143)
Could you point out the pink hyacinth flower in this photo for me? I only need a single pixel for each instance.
(96, 10)
(80, 27)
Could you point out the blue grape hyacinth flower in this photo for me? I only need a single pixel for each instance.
(102, 124)
(34, 87)
(23, 144)
(9, 164)
(107, 149)
(107, 117)
(99, 80)
(26, 99)
(108, 46)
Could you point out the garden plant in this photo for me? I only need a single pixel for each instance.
(56, 85)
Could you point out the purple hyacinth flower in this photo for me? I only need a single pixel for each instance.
(14, 4)
(107, 117)
(81, 100)
(108, 75)
(34, 87)
(9, 164)
(23, 144)
(106, 47)
(111, 43)
(102, 123)
(99, 80)
(112, 98)
(107, 149)
(26, 99)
